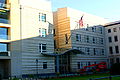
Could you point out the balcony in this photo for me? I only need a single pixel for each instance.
(6, 53)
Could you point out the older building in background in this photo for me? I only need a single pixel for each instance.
(26, 33)
(113, 41)
(78, 30)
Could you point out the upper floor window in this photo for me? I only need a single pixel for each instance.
(42, 32)
(101, 40)
(116, 49)
(115, 38)
(3, 47)
(78, 37)
(42, 48)
(4, 33)
(109, 30)
(42, 17)
(110, 39)
(110, 50)
(101, 30)
(115, 29)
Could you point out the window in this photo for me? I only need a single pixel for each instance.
(78, 37)
(88, 63)
(110, 50)
(94, 51)
(115, 38)
(114, 29)
(88, 51)
(116, 49)
(103, 51)
(117, 60)
(101, 31)
(42, 17)
(93, 39)
(109, 39)
(42, 32)
(42, 48)
(78, 64)
(3, 47)
(101, 40)
(4, 33)
(87, 37)
(44, 65)
(109, 30)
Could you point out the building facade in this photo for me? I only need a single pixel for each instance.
(89, 38)
(113, 41)
(26, 31)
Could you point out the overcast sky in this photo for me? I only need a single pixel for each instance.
(108, 9)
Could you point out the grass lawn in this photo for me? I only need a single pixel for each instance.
(85, 77)
(114, 78)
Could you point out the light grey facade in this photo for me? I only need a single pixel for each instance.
(112, 33)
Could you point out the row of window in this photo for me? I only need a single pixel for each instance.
(82, 64)
(116, 49)
(4, 47)
(94, 29)
(91, 51)
(89, 39)
(114, 30)
(115, 39)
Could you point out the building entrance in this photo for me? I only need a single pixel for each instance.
(4, 68)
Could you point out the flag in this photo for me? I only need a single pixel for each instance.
(81, 22)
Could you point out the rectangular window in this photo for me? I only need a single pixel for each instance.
(114, 29)
(88, 51)
(101, 30)
(4, 33)
(103, 51)
(3, 47)
(78, 37)
(42, 17)
(78, 64)
(110, 39)
(42, 32)
(42, 48)
(44, 65)
(94, 51)
(101, 40)
(110, 50)
(115, 38)
(117, 60)
(116, 49)
(109, 30)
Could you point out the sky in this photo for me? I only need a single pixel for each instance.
(108, 9)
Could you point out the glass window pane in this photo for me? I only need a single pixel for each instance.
(3, 33)
(3, 47)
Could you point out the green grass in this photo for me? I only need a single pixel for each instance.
(85, 77)
(114, 78)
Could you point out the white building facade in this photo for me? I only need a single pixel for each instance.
(112, 31)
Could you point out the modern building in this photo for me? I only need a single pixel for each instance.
(26, 31)
(88, 38)
(113, 41)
